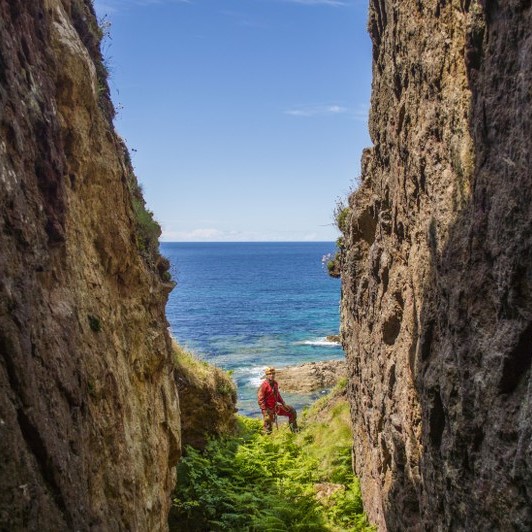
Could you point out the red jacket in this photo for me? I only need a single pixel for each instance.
(268, 395)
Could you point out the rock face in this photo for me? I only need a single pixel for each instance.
(89, 423)
(311, 376)
(207, 398)
(437, 269)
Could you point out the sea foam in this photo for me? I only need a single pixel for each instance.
(319, 342)
(253, 376)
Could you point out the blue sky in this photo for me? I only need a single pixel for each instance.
(246, 118)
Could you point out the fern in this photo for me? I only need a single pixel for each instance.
(255, 482)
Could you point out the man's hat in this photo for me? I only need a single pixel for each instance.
(269, 371)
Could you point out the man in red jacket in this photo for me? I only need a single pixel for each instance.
(272, 404)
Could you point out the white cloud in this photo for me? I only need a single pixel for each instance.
(106, 7)
(317, 110)
(244, 19)
(217, 235)
(211, 235)
(112, 6)
(335, 3)
(360, 113)
(152, 2)
(193, 235)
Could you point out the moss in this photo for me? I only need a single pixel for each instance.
(191, 367)
(225, 388)
(202, 374)
(94, 323)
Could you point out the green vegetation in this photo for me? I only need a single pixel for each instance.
(331, 266)
(94, 323)
(342, 215)
(192, 368)
(148, 230)
(201, 374)
(342, 218)
(278, 482)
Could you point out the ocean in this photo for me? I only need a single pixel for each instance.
(245, 306)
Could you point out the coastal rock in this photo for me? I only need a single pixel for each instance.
(311, 376)
(207, 399)
(437, 270)
(89, 415)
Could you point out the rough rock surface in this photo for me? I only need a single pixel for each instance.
(89, 423)
(207, 398)
(311, 376)
(437, 269)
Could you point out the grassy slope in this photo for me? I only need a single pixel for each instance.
(272, 483)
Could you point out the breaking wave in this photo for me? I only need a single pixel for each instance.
(319, 342)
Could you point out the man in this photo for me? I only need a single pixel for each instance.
(272, 404)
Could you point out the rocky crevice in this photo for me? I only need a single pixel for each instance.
(436, 307)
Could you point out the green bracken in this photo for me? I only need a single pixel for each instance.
(253, 481)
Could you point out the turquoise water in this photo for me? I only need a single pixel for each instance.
(245, 306)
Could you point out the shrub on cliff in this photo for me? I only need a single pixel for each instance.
(148, 230)
(342, 214)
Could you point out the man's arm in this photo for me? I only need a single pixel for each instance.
(260, 398)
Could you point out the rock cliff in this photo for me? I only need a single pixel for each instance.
(437, 269)
(89, 423)
(207, 397)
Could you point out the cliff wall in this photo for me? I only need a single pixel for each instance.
(207, 399)
(89, 423)
(437, 269)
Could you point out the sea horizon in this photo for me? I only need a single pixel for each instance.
(247, 241)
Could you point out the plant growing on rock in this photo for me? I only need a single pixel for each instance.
(342, 214)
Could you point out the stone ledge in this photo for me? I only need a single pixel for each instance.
(311, 376)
